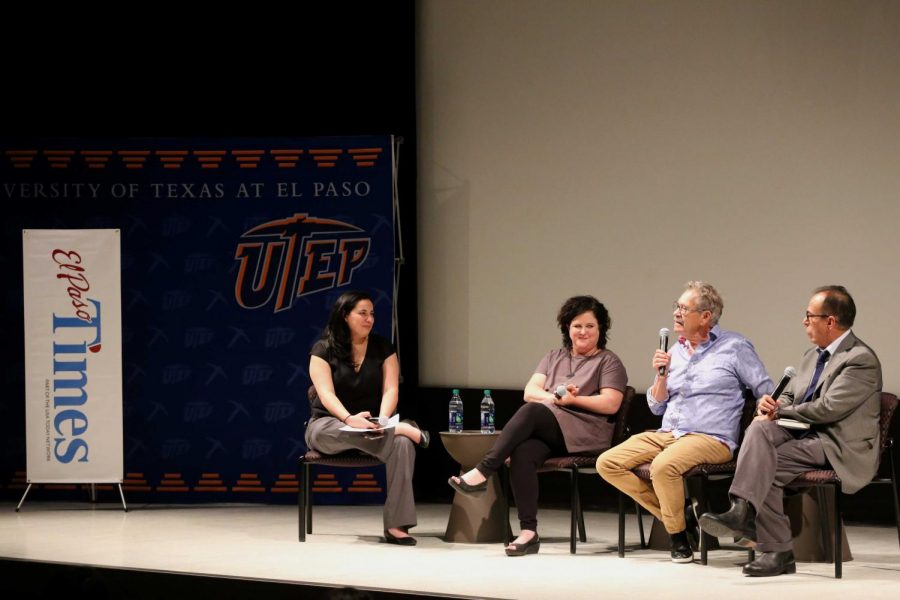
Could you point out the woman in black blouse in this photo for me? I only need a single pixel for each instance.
(356, 375)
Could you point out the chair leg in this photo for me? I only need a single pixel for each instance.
(582, 532)
(640, 520)
(702, 507)
(309, 499)
(301, 499)
(621, 525)
(822, 502)
(890, 452)
(507, 494)
(575, 508)
(838, 542)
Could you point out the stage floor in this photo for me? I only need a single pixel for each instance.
(260, 542)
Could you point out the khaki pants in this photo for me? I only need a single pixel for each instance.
(669, 459)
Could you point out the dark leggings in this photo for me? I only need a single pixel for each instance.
(530, 437)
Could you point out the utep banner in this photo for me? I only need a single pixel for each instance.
(73, 356)
(233, 252)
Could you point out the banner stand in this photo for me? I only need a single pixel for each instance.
(93, 496)
(73, 358)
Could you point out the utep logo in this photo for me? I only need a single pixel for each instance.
(255, 374)
(194, 337)
(197, 263)
(173, 448)
(278, 336)
(175, 300)
(172, 374)
(297, 256)
(197, 411)
(70, 364)
(174, 226)
(256, 448)
(277, 411)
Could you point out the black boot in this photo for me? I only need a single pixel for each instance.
(738, 522)
(770, 564)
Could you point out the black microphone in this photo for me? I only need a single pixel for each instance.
(559, 392)
(664, 346)
(789, 373)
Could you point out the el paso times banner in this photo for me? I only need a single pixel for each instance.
(73, 355)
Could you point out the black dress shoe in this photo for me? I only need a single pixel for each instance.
(465, 488)
(770, 564)
(530, 547)
(400, 541)
(681, 549)
(739, 522)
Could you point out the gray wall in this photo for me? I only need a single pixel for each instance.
(620, 148)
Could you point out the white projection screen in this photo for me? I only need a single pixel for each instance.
(621, 148)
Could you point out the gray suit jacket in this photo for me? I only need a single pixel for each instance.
(844, 409)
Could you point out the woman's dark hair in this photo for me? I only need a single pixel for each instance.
(577, 305)
(336, 333)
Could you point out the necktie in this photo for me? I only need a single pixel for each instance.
(820, 364)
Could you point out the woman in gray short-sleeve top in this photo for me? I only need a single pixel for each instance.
(570, 403)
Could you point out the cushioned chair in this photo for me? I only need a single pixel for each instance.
(350, 459)
(696, 480)
(575, 464)
(827, 479)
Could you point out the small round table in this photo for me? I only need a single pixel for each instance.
(481, 518)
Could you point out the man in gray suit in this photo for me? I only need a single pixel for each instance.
(837, 392)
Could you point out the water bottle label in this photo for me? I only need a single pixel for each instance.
(456, 421)
(487, 421)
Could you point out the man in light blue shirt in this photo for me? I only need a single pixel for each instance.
(699, 391)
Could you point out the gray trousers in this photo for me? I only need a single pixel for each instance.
(769, 459)
(395, 451)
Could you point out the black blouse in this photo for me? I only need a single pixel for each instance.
(356, 391)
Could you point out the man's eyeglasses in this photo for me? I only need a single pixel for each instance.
(684, 309)
(809, 316)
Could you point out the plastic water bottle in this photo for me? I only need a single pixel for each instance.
(456, 413)
(487, 413)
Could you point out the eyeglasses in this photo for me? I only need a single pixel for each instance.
(809, 316)
(685, 309)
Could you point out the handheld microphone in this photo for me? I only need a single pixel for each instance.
(664, 346)
(789, 373)
(559, 392)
